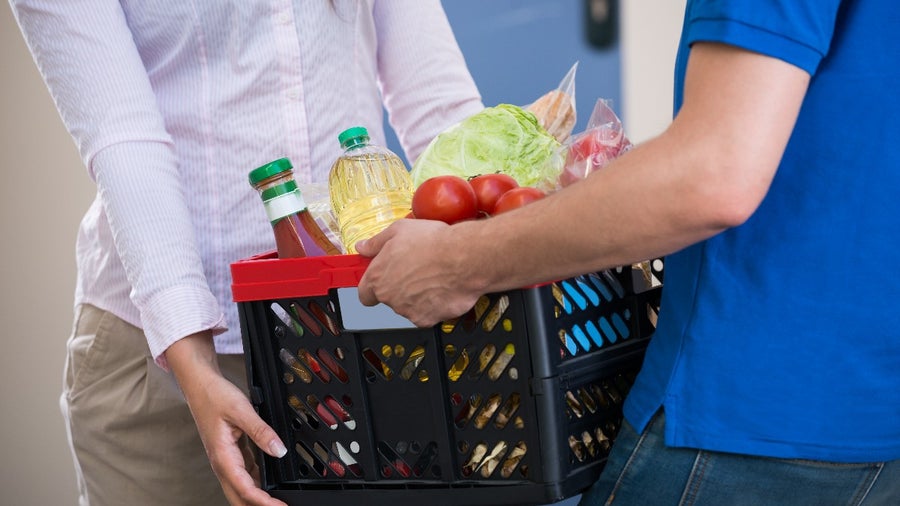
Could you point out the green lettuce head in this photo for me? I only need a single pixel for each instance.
(505, 138)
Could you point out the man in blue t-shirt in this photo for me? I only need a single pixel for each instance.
(774, 374)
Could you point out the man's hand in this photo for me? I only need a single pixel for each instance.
(224, 415)
(416, 275)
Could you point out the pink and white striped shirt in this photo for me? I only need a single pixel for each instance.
(172, 103)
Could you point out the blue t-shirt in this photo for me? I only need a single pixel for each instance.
(781, 337)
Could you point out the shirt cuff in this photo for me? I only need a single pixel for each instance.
(177, 313)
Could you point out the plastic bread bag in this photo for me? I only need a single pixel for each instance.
(555, 110)
(601, 142)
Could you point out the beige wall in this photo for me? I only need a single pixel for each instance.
(44, 193)
(47, 190)
(650, 31)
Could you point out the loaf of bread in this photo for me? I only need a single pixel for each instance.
(555, 111)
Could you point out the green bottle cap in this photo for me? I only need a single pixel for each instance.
(278, 189)
(353, 137)
(270, 169)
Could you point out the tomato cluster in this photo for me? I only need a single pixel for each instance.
(452, 199)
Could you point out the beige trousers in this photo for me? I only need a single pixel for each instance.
(130, 430)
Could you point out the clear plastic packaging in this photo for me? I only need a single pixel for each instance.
(318, 201)
(555, 110)
(601, 142)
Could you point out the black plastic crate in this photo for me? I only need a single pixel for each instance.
(516, 402)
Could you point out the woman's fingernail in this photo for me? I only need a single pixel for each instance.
(277, 448)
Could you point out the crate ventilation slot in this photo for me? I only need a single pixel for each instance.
(483, 460)
(489, 311)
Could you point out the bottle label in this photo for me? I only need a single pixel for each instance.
(284, 205)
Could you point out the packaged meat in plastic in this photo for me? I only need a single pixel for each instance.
(601, 142)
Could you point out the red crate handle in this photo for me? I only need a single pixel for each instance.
(267, 277)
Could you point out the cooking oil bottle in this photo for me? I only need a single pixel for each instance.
(369, 186)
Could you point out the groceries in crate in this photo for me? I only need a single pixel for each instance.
(364, 412)
(501, 158)
(370, 187)
(452, 199)
(297, 234)
(600, 143)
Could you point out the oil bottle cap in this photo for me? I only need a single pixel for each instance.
(353, 136)
(270, 169)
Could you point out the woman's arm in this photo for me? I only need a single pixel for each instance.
(88, 59)
(87, 56)
(424, 79)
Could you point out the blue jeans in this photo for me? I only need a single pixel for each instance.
(642, 471)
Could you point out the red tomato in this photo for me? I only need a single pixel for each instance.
(489, 187)
(446, 198)
(517, 197)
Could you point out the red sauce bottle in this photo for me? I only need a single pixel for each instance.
(296, 232)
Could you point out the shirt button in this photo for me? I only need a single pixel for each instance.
(293, 94)
(284, 18)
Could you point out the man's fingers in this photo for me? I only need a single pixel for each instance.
(366, 294)
(371, 246)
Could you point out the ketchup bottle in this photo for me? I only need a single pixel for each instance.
(296, 232)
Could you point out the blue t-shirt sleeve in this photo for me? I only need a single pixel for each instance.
(796, 31)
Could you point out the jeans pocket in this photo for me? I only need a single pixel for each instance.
(747, 481)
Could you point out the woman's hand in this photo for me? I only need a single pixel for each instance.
(225, 418)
